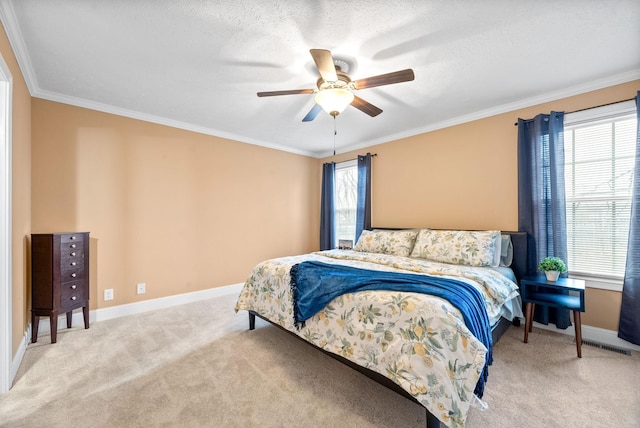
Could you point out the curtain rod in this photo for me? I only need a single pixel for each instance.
(589, 108)
(372, 155)
(348, 160)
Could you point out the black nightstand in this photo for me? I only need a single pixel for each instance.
(536, 290)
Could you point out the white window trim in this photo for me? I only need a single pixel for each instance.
(353, 163)
(589, 115)
(603, 283)
(347, 164)
(603, 113)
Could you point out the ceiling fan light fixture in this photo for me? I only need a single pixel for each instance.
(334, 100)
(334, 88)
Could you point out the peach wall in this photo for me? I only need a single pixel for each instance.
(603, 308)
(177, 210)
(21, 194)
(462, 177)
(466, 177)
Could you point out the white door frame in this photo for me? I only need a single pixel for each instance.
(6, 343)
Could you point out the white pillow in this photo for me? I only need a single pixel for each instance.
(506, 251)
(461, 247)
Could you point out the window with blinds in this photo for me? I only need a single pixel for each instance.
(346, 196)
(599, 168)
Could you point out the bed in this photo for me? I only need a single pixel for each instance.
(430, 348)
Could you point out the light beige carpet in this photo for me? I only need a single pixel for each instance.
(197, 365)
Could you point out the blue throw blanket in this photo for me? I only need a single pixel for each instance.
(314, 285)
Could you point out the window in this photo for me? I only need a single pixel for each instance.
(346, 193)
(599, 162)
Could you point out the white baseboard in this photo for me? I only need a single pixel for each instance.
(17, 358)
(594, 334)
(139, 307)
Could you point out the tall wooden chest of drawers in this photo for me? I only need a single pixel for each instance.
(59, 278)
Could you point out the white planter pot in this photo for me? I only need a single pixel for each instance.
(552, 275)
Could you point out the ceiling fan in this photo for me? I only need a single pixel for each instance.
(334, 88)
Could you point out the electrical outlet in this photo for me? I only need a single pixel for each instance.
(108, 294)
(141, 288)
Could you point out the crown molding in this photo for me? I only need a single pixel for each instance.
(482, 114)
(14, 34)
(132, 114)
(504, 108)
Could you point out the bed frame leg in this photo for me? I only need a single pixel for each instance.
(432, 421)
(252, 321)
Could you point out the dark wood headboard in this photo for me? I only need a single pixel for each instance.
(520, 241)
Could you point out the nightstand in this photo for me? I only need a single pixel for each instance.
(536, 290)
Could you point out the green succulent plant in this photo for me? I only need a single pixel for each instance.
(552, 263)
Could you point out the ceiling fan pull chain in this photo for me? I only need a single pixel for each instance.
(335, 132)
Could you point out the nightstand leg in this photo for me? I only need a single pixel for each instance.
(531, 311)
(69, 317)
(527, 321)
(578, 326)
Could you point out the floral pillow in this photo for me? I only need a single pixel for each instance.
(460, 247)
(394, 242)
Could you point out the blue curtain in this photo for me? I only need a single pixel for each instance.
(629, 329)
(327, 227)
(363, 209)
(541, 197)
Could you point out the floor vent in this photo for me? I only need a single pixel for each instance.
(606, 347)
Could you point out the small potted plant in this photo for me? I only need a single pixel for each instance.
(552, 267)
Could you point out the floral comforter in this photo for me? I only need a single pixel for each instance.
(418, 341)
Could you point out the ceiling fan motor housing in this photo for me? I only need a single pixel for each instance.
(343, 81)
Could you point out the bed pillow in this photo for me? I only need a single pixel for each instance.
(460, 247)
(506, 251)
(394, 242)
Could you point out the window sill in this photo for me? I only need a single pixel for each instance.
(611, 284)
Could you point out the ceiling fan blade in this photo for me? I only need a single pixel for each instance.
(384, 79)
(291, 92)
(312, 113)
(324, 62)
(365, 107)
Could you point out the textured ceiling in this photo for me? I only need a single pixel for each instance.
(198, 64)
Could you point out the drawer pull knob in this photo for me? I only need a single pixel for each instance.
(73, 287)
(73, 254)
(73, 245)
(72, 238)
(73, 297)
(73, 275)
(73, 263)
